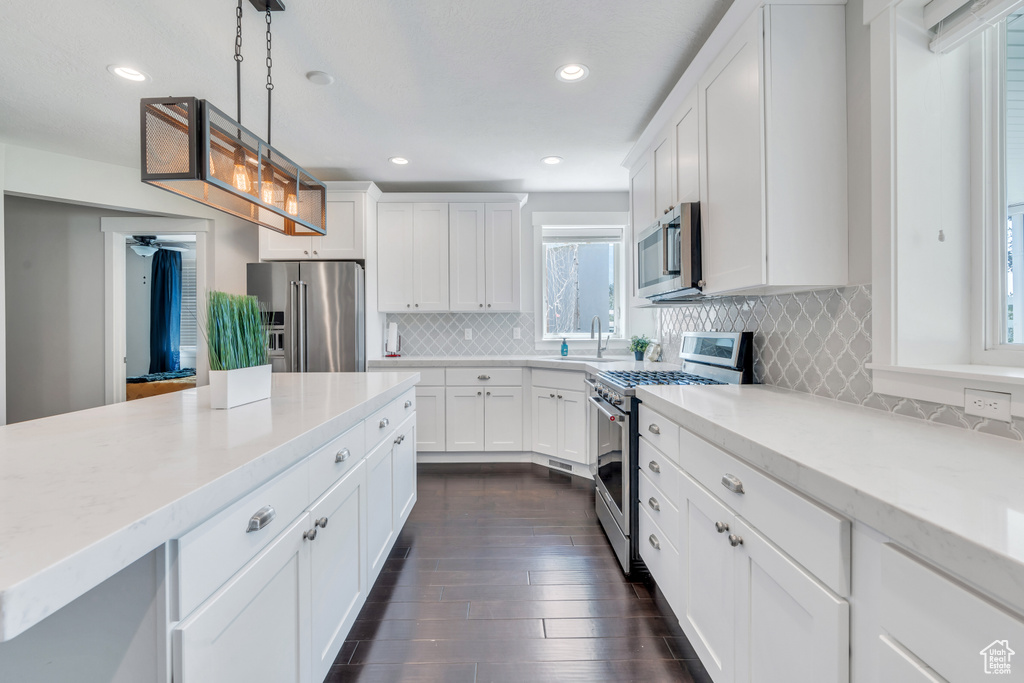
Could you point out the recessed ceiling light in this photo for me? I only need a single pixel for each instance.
(128, 73)
(320, 77)
(552, 160)
(570, 73)
(401, 161)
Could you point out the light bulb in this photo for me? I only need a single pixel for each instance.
(267, 185)
(240, 178)
(213, 169)
(291, 205)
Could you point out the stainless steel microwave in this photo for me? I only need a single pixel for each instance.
(668, 264)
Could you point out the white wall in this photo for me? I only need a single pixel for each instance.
(138, 270)
(47, 175)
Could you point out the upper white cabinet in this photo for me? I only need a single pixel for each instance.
(687, 157)
(772, 131)
(347, 214)
(412, 263)
(480, 266)
(641, 195)
(664, 181)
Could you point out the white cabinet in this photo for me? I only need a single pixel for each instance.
(345, 238)
(430, 418)
(772, 132)
(412, 257)
(380, 513)
(572, 425)
(503, 419)
(257, 626)
(403, 486)
(664, 167)
(338, 565)
(545, 420)
(464, 418)
(687, 158)
(559, 410)
(484, 257)
(641, 195)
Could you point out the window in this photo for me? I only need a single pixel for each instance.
(1012, 245)
(582, 270)
(187, 336)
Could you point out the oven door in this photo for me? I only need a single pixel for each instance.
(611, 429)
(658, 258)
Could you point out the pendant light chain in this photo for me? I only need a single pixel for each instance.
(270, 77)
(238, 60)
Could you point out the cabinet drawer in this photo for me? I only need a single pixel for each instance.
(660, 431)
(940, 622)
(810, 534)
(661, 557)
(334, 459)
(384, 421)
(211, 553)
(559, 379)
(661, 471)
(661, 507)
(430, 377)
(472, 377)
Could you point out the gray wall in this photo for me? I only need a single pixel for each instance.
(54, 297)
(138, 270)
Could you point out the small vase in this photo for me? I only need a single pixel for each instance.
(639, 355)
(230, 388)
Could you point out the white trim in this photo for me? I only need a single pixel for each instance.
(578, 469)
(454, 197)
(566, 219)
(115, 231)
(346, 186)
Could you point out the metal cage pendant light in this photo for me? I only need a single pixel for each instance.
(194, 149)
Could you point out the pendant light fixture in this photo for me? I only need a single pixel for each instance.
(193, 149)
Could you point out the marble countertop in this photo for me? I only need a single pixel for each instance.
(953, 496)
(84, 494)
(552, 362)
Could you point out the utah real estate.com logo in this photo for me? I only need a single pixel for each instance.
(997, 657)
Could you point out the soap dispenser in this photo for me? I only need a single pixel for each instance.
(565, 347)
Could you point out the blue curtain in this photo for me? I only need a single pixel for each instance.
(165, 312)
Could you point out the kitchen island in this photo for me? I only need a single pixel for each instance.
(123, 520)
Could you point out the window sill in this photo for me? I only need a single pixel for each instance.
(946, 383)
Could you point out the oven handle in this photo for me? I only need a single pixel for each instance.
(621, 417)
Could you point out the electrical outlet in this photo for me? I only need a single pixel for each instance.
(469, 333)
(990, 404)
(517, 333)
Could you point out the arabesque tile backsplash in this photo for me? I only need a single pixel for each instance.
(444, 334)
(818, 342)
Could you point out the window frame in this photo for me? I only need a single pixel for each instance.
(585, 235)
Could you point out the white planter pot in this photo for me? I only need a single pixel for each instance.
(230, 388)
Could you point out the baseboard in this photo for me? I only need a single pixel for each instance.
(476, 457)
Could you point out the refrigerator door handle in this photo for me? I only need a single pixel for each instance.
(303, 361)
(293, 331)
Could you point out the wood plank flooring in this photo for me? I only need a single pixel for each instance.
(502, 573)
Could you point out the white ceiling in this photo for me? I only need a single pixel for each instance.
(466, 90)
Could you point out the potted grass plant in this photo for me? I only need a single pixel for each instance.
(236, 337)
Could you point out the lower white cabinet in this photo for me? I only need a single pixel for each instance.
(380, 519)
(430, 419)
(560, 423)
(403, 459)
(484, 418)
(503, 419)
(464, 418)
(257, 626)
(544, 402)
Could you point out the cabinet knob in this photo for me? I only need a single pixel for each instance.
(721, 527)
(735, 540)
(654, 541)
(315, 252)
(262, 517)
(559, 396)
(322, 523)
(479, 393)
(654, 429)
(417, 305)
(408, 404)
(305, 252)
(481, 305)
(551, 395)
(655, 505)
(342, 455)
(488, 305)
(654, 467)
(488, 393)
(408, 305)
(309, 535)
(384, 423)
(701, 284)
(732, 483)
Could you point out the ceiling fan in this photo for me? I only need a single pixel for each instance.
(147, 245)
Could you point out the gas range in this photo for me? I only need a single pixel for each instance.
(613, 385)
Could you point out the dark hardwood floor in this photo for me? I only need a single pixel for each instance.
(502, 573)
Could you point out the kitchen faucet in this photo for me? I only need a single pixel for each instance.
(597, 319)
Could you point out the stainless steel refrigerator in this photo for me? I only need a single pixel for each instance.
(316, 311)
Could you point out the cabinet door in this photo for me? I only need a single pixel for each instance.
(709, 579)
(464, 419)
(503, 419)
(430, 411)
(256, 627)
(430, 257)
(394, 258)
(338, 566)
(641, 196)
(732, 164)
(345, 228)
(789, 627)
(277, 247)
(687, 152)
(380, 527)
(572, 426)
(403, 460)
(466, 253)
(545, 420)
(664, 163)
(896, 664)
(502, 258)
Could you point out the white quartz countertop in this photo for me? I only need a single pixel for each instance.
(84, 494)
(953, 496)
(552, 362)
